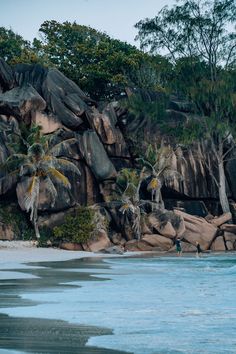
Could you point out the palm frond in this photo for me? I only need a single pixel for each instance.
(128, 175)
(154, 184)
(62, 148)
(31, 197)
(130, 191)
(18, 157)
(32, 185)
(13, 162)
(47, 158)
(145, 163)
(66, 165)
(36, 151)
(127, 207)
(59, 177)
(170, 175)
(51, 189)
(14, 173)
(27, 169)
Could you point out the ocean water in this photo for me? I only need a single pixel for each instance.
(155, 305)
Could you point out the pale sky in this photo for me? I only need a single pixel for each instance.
(115, 17)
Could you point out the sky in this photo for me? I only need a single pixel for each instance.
(115, 17)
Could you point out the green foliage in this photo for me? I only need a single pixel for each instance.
(193, 29)
(153, 110)
(151, 154)
(200, 42)
(11, 215)
(33, 134)
(201, 45)
(29, 135)
(103, 67)
(40, 165)
(187, 73)
(46, 237)
(100, 65)
(126, 176)
(150, 72)
(14, 49)
(78, 228)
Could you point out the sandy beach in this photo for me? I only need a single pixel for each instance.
(21, 334)
(20, 252)
(55, 301)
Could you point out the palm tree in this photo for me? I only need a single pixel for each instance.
(131, 203)
(157, 167)
(40, 164)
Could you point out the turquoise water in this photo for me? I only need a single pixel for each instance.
(154, 305)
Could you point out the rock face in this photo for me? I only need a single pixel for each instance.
(163, 243)
(198, 229)
(20, 101)
(33, 94)
(6, 232)
(6, 76)
(218, 244)
(95, 140)
(166, 223)
(101, 242)
(218, 221)
(197, 181)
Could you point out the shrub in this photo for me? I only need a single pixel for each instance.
(13, 216)
(78, 228)
(45, 237)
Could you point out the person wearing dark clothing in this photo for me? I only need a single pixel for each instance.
(178, 247)
(199, 250)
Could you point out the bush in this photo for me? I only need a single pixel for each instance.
(46, 236)
(78, 228)
(13, 216)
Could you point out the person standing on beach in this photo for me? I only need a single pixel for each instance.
(178, 247)
(199, 250)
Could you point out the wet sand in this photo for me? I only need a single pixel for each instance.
(32, 335)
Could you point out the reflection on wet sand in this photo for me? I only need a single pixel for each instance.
(31, 335)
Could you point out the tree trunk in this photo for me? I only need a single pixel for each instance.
(36, 230)
(159, 204)
(222, 189)
(35, 221)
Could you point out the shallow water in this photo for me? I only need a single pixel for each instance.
(153, 305)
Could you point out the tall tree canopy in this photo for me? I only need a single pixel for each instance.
(14, 49)
(100, 65)
(194, 29)
(199, 38)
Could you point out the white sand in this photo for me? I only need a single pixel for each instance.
(14, 254)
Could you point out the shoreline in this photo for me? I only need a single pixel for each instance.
(33, 334)
(32, 270)
(21, 252)
(13, 253)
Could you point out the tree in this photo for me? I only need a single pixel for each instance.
(100, 65)
(157, 168)
(199, 40)
(195, 29)
(14, 49)
(130, 181)
(40, 165)
(103, 67)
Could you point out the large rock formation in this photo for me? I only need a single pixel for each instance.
(95, 140)
(198, 230)
(33, 94)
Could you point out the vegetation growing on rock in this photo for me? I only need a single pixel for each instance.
(183, 103)
(78, 228)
